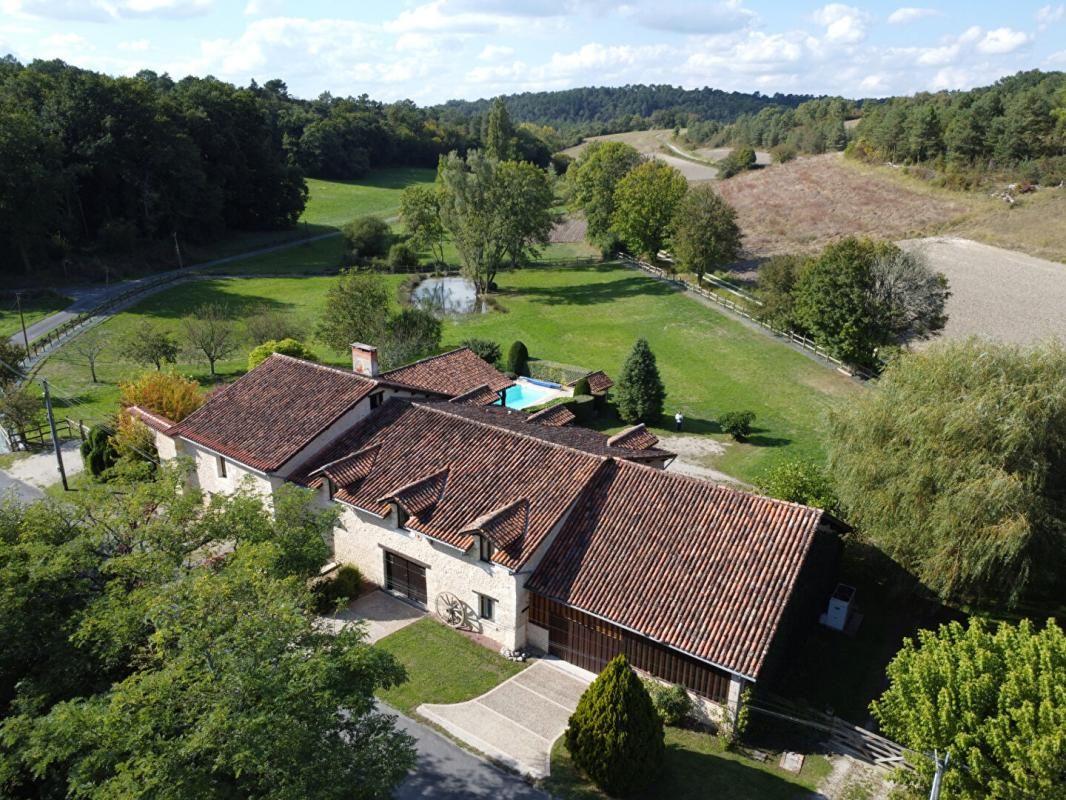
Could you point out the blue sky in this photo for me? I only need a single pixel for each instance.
(432, 51)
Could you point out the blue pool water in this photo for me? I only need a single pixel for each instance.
(523, 395)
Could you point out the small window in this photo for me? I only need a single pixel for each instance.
(376, 400)
(486, 607)
(485, 549)
(220, 464)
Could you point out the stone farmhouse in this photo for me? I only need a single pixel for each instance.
(547, 536)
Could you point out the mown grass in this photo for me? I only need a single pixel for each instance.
(442, 666)
(698, 766)
(35, 306)
(591, 316)
(335, 203)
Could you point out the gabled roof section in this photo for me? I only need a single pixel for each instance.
(599, 382)
(700, 567)
(487, 467)
(638, 437)
(453, 373)
(419, 496)
(350, 469)
(157, 422)
(271, 413)
(483, 395)
(555, 416)
(505, 527)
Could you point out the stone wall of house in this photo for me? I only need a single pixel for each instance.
(362, 539)
(206, 473)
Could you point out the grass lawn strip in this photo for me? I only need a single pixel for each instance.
(336, 203)
(698, 766)
(443, 666)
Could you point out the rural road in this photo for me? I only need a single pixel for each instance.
(89, 297)
(445, 771)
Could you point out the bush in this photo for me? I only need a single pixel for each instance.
(737, 424)
(800, 481)
(367, 237)
(97, 452)
(518, 359)
(672, 703)
(741, 159)
(342, 587)
(134, 440)
(287, 347)
(265, 323)
(486, 350)
(173, 396)
(402, 256)
(582, 387)
(615, 735)
(783, 153)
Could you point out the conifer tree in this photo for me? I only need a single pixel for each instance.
(615, 735)
(640, 393)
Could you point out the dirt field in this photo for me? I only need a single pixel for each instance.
(804, 204)
(651, 143)
(997, 293)
(570, 229)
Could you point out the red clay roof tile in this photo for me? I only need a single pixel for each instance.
(638, 437)
(454, 373)
(555, 416)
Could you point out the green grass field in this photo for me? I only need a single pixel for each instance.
(35, 306)
(591, 316)
(442, 666)
(334, 203)
(699, 766)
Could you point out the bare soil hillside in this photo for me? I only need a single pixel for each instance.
(805, 204)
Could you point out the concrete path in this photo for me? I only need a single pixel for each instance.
(518, 721)
(445, 771)
(382, 613)
(30, 475)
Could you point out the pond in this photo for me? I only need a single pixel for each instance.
(452, 295)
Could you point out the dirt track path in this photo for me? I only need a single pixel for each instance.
(997, 293)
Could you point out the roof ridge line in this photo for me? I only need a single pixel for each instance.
(352, 454)
(426, 359)
(317, 365)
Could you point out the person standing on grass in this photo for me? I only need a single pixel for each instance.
(679, 419)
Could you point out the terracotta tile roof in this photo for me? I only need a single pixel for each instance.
(700, 567)
(574, 436)
(267, 416)
(488, 470)
(157, 422)
(638, 437)
(556, 416)
(453, 373)
(598, 382)
(482, 395)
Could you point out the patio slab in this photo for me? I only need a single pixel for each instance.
(380, 611)
(517, 722)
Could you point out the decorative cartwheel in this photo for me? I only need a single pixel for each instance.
(451, 609)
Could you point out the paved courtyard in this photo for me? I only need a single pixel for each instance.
(382, 613)
(517, 722)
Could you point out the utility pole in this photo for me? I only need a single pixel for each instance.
(177, 249)
(55, 436)
(941, 765)
(22, 319)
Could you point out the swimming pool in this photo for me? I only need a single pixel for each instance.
(523, 395)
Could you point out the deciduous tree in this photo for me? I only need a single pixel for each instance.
(523, 197)
(704, 234)
(469, 215)
(420, 212)
(356, 310)
(210, 334)
(645, 201)
(594, 178)
(149, 344)
(992, 698)
(88, 347)
(288, 347)
(501, 143)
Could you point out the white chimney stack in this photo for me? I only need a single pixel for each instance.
(365, 360)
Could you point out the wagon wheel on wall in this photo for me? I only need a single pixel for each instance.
(450, 609)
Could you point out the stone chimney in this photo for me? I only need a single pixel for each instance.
(365, 360)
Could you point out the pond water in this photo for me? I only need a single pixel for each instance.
(452, 295)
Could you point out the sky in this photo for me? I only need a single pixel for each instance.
(433, 51)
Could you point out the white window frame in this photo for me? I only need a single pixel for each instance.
(481, 600)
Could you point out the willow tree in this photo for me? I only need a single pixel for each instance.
(953, 465)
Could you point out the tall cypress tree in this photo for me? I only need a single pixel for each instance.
(640, 394)
(615, 734)
(500, 140)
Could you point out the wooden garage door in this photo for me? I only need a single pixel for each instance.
(405, 577)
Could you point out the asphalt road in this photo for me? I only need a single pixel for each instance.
(23, 491)
(446, 771)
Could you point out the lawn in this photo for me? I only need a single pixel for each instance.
(699, 766)
(35, 306)
(443, 666)
(591, 315)
(336, 202)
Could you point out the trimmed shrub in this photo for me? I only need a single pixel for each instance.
(737, 424)
(672, 703)
(402, 256)
(173, 396)
(518, 359)
(98, 452)
(640, 394)
(582, 387)
(615, 735)
(287, 347)
(486, 349)
(343, 587)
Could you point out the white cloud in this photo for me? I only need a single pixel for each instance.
(261, 8)
(843, 24)
(901, 16)
(105, 11)
(136, 45)
(692, 17)
(874, 84)
(1057, 58)
(492, 52)
(1002, 40)
(1048, 15)
(935, 56)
